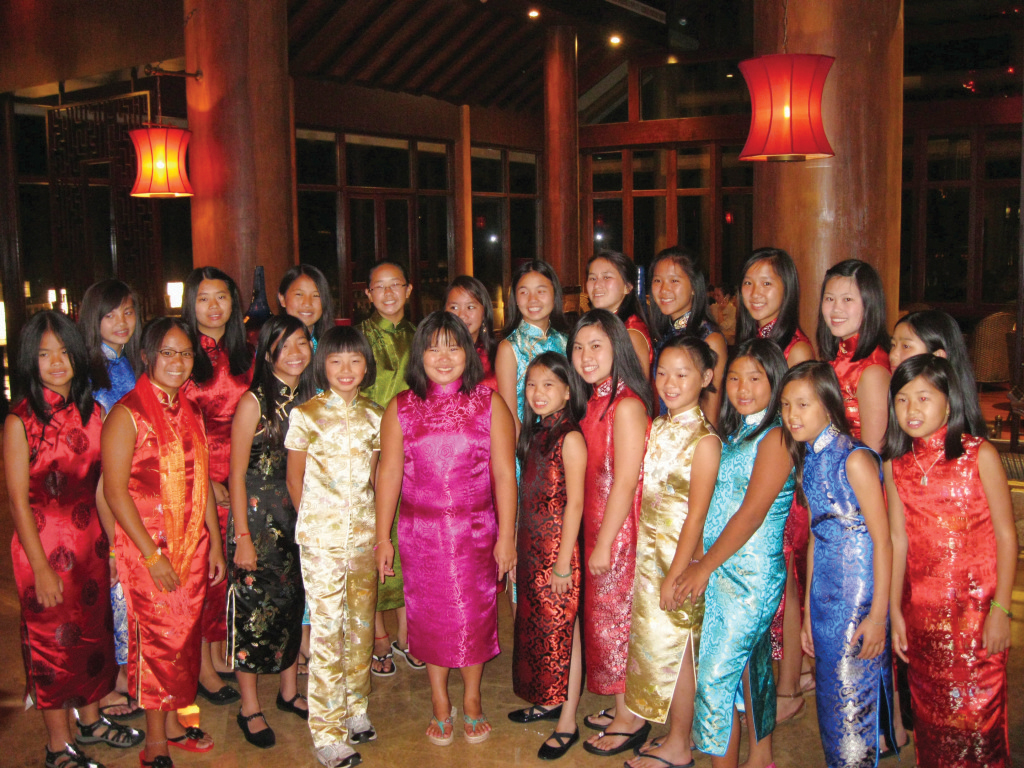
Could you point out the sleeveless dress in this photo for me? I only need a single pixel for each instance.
(527, 342)
(658, 638)
(490, 378)
(854, 696)
(634, 323)
(217, 400)
(608, 598)
(265, 606)
(849, 372)
(741, 599)
(449, 526)
(958, 690)
(68, 649)
(544, 621)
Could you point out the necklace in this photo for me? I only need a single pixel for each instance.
(924, 474)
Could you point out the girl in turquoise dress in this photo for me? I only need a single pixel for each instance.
(743, 569)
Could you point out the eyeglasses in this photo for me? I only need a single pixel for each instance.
(380, 290)
(169, 353)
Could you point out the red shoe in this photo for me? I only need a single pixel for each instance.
(160, 761)
(190, 740)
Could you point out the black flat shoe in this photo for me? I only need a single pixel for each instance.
(289, 706)
(565, 741)
(263, 739)
(533, 714)
(226, 695)
(230, 677)
(632, 740)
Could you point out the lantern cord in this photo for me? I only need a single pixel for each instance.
(785, 24)
(159, 107)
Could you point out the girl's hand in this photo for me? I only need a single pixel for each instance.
(668, 595)
(385, 558)
(220, 494)
(505, 555)
(49, 587)
(218, 568)
(899, 634)
(113, 571)
(691, 583)
(245, 554)
(872, 637)
(995, 637)
(600, 561)
(560, 584)
(806, 638)
(163, 575)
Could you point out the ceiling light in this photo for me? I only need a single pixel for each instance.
(615, 40)
(534, 13)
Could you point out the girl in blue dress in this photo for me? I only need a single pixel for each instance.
(849, 567)
(743, 569)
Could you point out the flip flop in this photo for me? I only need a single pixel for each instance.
(473, 722)
(666, 763)
(189, 741)
(634, 739)
(589, 720)
(130, 702)
(384, 661)
(407, 656)
(447, 736)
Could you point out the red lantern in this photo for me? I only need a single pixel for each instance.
(785, 95)
(160, 155)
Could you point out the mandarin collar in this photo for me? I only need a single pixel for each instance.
(825, 438)
(450, 388)
(755, 418)
(848, 346)
(689, 415)
(681, 322)
(109, 353)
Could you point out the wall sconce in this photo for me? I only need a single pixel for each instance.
(160, 151)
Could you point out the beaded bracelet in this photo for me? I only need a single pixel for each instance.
(150, 561)
(385, 541)
(561, 575)
(113, 552)
(997, 605)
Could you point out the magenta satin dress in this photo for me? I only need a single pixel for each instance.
(448, 526)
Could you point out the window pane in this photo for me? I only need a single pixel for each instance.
(1002, 224)
(649, 235)
(737, 235)
(362, 246)
(316, 158)
(176, 240)
(36, 246)
(607, 172)
(946, 245)
(396, 222)
(693, 168)
(907, 219)
(522, 228)
(608, 224)
(318, 236)
(522, 173)
(608, 100)
(375, 162)
(432, 165)
(649, 168)
(736, 172)
(693, 232)
(1002, 155)
(98, 228)
(488, 251)
(485, 168)
(30, 138)
(432, 228)
(693, 90)
(908, 159)
(949, 157)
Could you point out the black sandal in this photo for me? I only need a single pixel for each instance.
(113, 734)
(160, 761)
(69, 757)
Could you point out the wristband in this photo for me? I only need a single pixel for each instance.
(113, 552)
(150, 561)
(240, 536)
(385, 541)
(997, 605)
(562, 575)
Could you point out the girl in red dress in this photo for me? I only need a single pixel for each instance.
(615, 427)
(468, 299)
(61, 545)
(156, 481)
(611, 285)
(954, 563)
(221, 373)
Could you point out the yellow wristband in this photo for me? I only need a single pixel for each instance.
(997, 605)
(150, 561)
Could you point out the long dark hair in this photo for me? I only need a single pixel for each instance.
(27, 372)
(938, 331)
(514, 317)
(153, 337)
(99, 299)
(661, 325)
(767, 354)
(343, 338)
(627, 270)
(476, 289)
(449, 326)
(239, 351)
(703, 356)
(273, 334)
(574, 409)
(326, 302)
(872, 295)
(625, 364)
(826, 389)
(789, 313)
(938, 372)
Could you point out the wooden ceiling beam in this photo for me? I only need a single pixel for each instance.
(510, 71)
(426, 17)
(444, 55)
(333, 36)
(479, 76)
(470, 59)
(394, 18)
(307, 16)
(532, 73)
(420, 52)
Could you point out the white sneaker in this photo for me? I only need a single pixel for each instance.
(360, 730)
(338, 756)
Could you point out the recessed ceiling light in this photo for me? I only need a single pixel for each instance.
(534, 13)
(614, 39)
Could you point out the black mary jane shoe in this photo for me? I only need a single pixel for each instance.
(264, 739)
(69, 757)
(533, 714)
(226, 694)
(289, 706)
(565, 741)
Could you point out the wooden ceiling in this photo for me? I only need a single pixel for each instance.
(480, 52)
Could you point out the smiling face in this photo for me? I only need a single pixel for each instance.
(293, 355)
(842, 307)
(671, 289)
(388, 292)
(345, 371)
(605, 286)
(545, 392)
(678, 381)
(465, 306)
(118, 325)
(55, 369)
(213, 307)
(592, 354)
(921, 409)
(762, 292)
(302, 301)
(444, 360)
(171, 369)
(905, 343)
(802, 411)
(535, 297)
(747, 386)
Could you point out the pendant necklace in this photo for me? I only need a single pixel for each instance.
(924, 474)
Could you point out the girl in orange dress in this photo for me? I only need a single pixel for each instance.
(156, 481)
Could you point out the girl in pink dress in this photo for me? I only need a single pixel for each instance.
(447, 446)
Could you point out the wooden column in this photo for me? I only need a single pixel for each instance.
(240, 157)
(10, 244)
(463, 196)
(847, 206)
(561, 217)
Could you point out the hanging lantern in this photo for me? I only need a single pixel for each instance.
(160, 156)
(785, 95)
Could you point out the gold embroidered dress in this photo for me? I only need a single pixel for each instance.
(658, 638)
(336, 530)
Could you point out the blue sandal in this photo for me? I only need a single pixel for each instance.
(447, 727)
